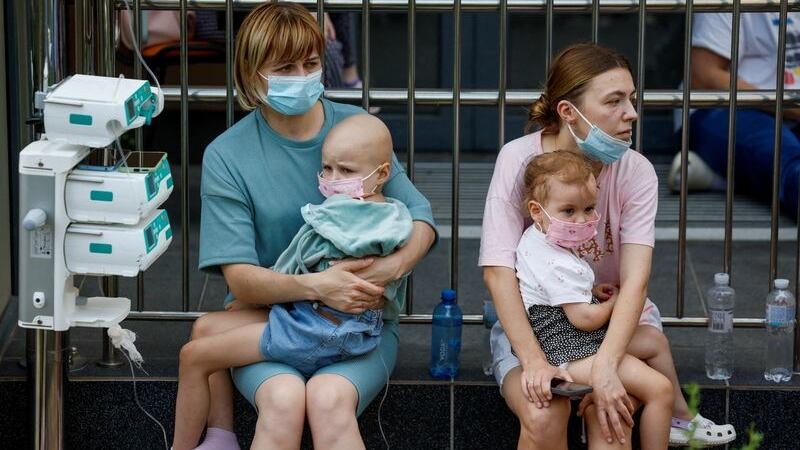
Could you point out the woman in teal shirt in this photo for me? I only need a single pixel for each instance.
(256, 176)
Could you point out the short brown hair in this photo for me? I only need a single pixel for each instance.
(568, 167)
(570, 73)
(272, 32)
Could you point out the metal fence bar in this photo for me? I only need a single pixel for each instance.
(727, 258)
(656, 98)
(139, 133)
(365, 75)
(472, 319)
(684, 162)
(640, 77)
(776, 169)
(456, 144)
(184, 69)
(229, 85)
(501, 77)
(412, 126)
(548, 39)
(595, 20)
(105, 66)
(493, 5)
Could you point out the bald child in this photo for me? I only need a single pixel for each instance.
(356, 158)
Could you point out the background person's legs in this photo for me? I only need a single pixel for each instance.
(755, 131)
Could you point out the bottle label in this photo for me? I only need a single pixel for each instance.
(721, 321)
(779, 315)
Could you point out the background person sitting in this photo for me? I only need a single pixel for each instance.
(755, 128)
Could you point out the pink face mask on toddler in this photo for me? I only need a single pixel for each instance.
(352, 187)
(570, 234)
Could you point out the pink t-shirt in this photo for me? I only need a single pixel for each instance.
(627, 204)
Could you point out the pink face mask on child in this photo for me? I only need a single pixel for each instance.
(352, 187)
(570, 234)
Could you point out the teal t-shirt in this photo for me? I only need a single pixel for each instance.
(255, 181)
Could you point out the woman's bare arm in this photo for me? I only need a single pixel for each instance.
(609, 394)
(337, 286)
(537, 372)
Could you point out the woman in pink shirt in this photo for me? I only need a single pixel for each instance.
(587, 107)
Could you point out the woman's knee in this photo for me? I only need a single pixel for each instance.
(544, 424)
(330, 398)
(282, 398)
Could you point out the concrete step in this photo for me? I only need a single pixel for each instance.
(102, 414)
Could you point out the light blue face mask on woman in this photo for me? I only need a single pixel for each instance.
(293, 95)
(598, 145)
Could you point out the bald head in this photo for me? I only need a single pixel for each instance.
(362, 137)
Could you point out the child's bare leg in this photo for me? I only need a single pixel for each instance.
(580, 370)
(649, 386)
(220, 411)
(656, 392)
(198, 360)
(651, 346)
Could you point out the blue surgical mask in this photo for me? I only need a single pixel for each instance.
(598, 144)
(293, 95)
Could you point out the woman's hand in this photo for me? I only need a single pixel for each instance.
(604, 291)
(339, 287)
(610, 399)
(536, 382)
(381, 272)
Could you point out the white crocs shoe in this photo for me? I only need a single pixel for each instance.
(707, 433)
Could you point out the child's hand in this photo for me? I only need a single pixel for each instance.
(604, 291)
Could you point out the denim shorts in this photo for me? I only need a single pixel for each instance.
(310, 335)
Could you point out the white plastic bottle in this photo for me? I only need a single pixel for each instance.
(780, 332)
(719, 338)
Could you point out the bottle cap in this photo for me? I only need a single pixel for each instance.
(449, 295)
(781, 283)
(721, 278)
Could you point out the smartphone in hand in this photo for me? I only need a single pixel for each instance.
(569, 389)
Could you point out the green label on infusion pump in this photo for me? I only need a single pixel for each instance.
(135, 102)
(95, 247)
(152, 181)
(80, 119)
(102, 196)
(153, 230)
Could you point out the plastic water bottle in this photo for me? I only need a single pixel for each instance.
(446, 337)
(719, 339)
(780, 332)
(489, 319)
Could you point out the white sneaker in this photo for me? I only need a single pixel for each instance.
(707, 433)
(700, 176)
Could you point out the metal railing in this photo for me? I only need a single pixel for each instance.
(501, 97)
(101, 60)
(94, 21)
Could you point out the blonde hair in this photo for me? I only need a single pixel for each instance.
(273, 32)
(568, 167)
(567, 79)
